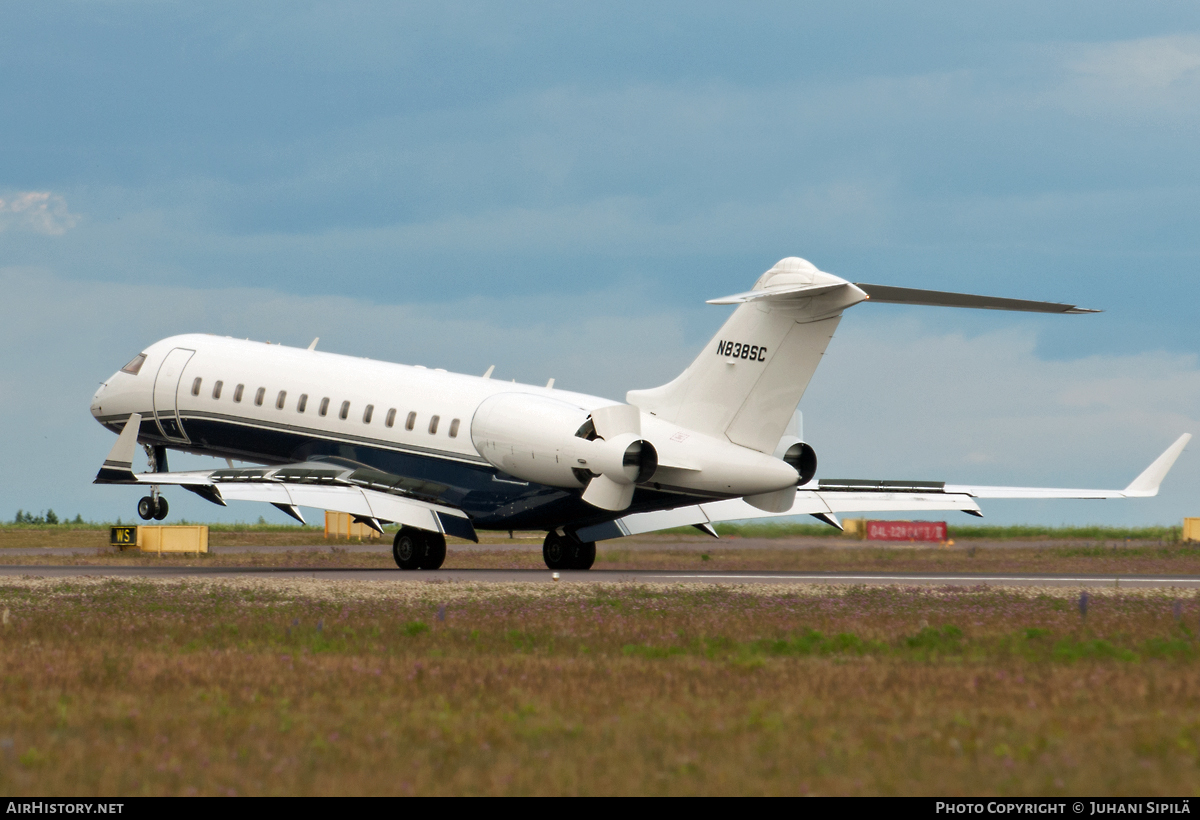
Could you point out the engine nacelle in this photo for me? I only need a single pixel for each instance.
(626, 459)
(552, 442)
(799, 455)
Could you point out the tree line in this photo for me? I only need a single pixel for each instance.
(48, 517)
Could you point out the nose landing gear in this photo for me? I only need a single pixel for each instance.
(154, 505)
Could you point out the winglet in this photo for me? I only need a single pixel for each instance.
(1147, 483)
(118, 467)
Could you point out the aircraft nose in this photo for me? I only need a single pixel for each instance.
(97, 408)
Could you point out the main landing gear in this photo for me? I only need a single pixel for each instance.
(153, 506)
(418, 549)
(566, 552)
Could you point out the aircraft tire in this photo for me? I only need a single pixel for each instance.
(408, 548)
(434, 553)
(566, 552)
(583, 555)
(556, 551)
(161, 509)
(145, 508)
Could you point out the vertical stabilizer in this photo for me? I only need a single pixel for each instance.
(746, 383)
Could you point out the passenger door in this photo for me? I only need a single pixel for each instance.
(166, 390)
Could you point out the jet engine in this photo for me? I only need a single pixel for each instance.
(553, 442)
(801, 456)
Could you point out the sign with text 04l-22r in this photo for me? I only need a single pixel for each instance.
(906, 530)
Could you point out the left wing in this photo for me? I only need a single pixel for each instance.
(371, 496)
(834, 496)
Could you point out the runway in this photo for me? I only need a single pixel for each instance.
(486, 576)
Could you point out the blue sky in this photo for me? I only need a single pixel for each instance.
(563, 185)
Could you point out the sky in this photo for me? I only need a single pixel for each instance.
(556, 189)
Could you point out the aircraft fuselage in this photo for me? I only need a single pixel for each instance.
(272, 404)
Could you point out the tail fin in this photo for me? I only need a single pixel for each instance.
(746, 383)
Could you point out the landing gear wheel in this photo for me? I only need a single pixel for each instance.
(160, 510)
(408, 548)
(554, 551)
(146, 508)
(565, 552)
(585, 555)
(435, 550)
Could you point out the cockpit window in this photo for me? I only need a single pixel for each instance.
(134, 366)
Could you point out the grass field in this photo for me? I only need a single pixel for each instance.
(651, 552)
(788, 529)
(308, 687)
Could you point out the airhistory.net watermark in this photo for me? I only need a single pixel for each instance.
(50, 807)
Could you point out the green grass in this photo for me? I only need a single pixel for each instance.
(1093, 532)
(168, 687)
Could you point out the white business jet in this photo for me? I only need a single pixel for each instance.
(448, 454)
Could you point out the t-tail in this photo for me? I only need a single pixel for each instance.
(747, 382)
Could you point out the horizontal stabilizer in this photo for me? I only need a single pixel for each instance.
(938, 298)
(792, 292)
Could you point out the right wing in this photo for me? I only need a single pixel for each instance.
(833, 496)
(823, 504)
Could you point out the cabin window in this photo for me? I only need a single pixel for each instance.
(280, 399)
(391, 417)
(324, 406)
(433, 423)
(237, 392)
(302, 403)
(411, 421)
(454, 429)
(345, 411)
(370, 411)
(196, 386)
(259, 395)
(136, 365)
(217, 389)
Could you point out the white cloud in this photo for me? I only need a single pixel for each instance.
(1140, 65)
(38, 211)
(1149, 73)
